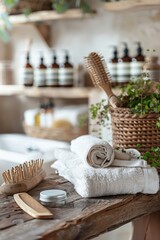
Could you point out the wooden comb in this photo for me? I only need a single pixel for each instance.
(32, 206)
(100, 76)
(22, 178)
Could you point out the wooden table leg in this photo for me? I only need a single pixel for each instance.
(147, 228)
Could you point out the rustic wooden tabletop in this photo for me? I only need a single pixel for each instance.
(80, 219)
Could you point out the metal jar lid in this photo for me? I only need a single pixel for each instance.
(53, 195)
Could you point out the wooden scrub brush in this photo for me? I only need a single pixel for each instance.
(22, 178)
(100, 76)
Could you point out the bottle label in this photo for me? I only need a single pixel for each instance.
(112, 68)
(123, 72)
(136, 69)
(40, 77)
(27, 76)
(66, 76)
(49, 120)
(42, 120)
(52, 76)
(153, 75)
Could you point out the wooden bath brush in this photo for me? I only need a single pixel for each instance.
(23, 177)
(100, 76)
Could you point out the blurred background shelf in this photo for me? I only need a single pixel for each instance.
(63, 93)
(132, 4)
(11, 90)
(67, 93)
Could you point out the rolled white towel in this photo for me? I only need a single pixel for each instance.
(100, 154)
(126, 154)
(94, 151)
(92, 182)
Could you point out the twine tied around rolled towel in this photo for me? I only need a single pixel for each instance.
(100, 156)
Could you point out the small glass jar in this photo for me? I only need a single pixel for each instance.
(53, 197)
(152, 69)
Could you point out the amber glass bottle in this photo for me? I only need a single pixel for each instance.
(151, 68)
(52, 77)
(137, 62)
(40, 74)
(27, 76)
(123, 67)
(66, 73)
(112, 66)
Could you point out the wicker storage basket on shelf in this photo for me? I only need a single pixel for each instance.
(32, 5)
(129, 129)
(58, 133)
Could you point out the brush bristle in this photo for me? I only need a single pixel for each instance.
(97, 69)
(22, 172)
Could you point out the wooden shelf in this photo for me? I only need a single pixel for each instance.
(69, 93)
(63, 93)
(45, 16)
(132, 4)
(11, 90)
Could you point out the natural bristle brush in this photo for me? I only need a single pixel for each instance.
(23, 177)
(100, 76)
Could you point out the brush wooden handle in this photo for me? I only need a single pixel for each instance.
(23, 186)
(32, 206)
(112, 98)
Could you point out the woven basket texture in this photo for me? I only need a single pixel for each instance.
(129, 129)
(32, 5)
(58, 133)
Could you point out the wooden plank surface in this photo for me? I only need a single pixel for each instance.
(55, 92)
(132, 4)
(10, 90)
(80, 218)
(60, 92)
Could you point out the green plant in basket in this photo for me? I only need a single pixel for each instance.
(142, 99)
(152, 157)
(141, 96)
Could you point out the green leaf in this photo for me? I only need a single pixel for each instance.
(10, 3)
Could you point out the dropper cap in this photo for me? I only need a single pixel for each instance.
(50, 103)
(139, 48)
(41, 58)
(54, 56)
(126, 50)
(66, 56)
(115, 52)
(28, 57)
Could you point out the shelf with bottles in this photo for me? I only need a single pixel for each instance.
(54, 74)
(131, 4)
(125, 68)
(50, 15)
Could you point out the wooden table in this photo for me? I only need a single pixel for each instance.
(80, 219)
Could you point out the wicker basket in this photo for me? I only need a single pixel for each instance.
(58, 133)
(128, 129)
(33, 6)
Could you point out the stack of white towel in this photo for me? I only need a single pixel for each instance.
(96, 169)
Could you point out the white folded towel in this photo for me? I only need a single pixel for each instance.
(94, 151)
(95, 182)
(99, 153)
